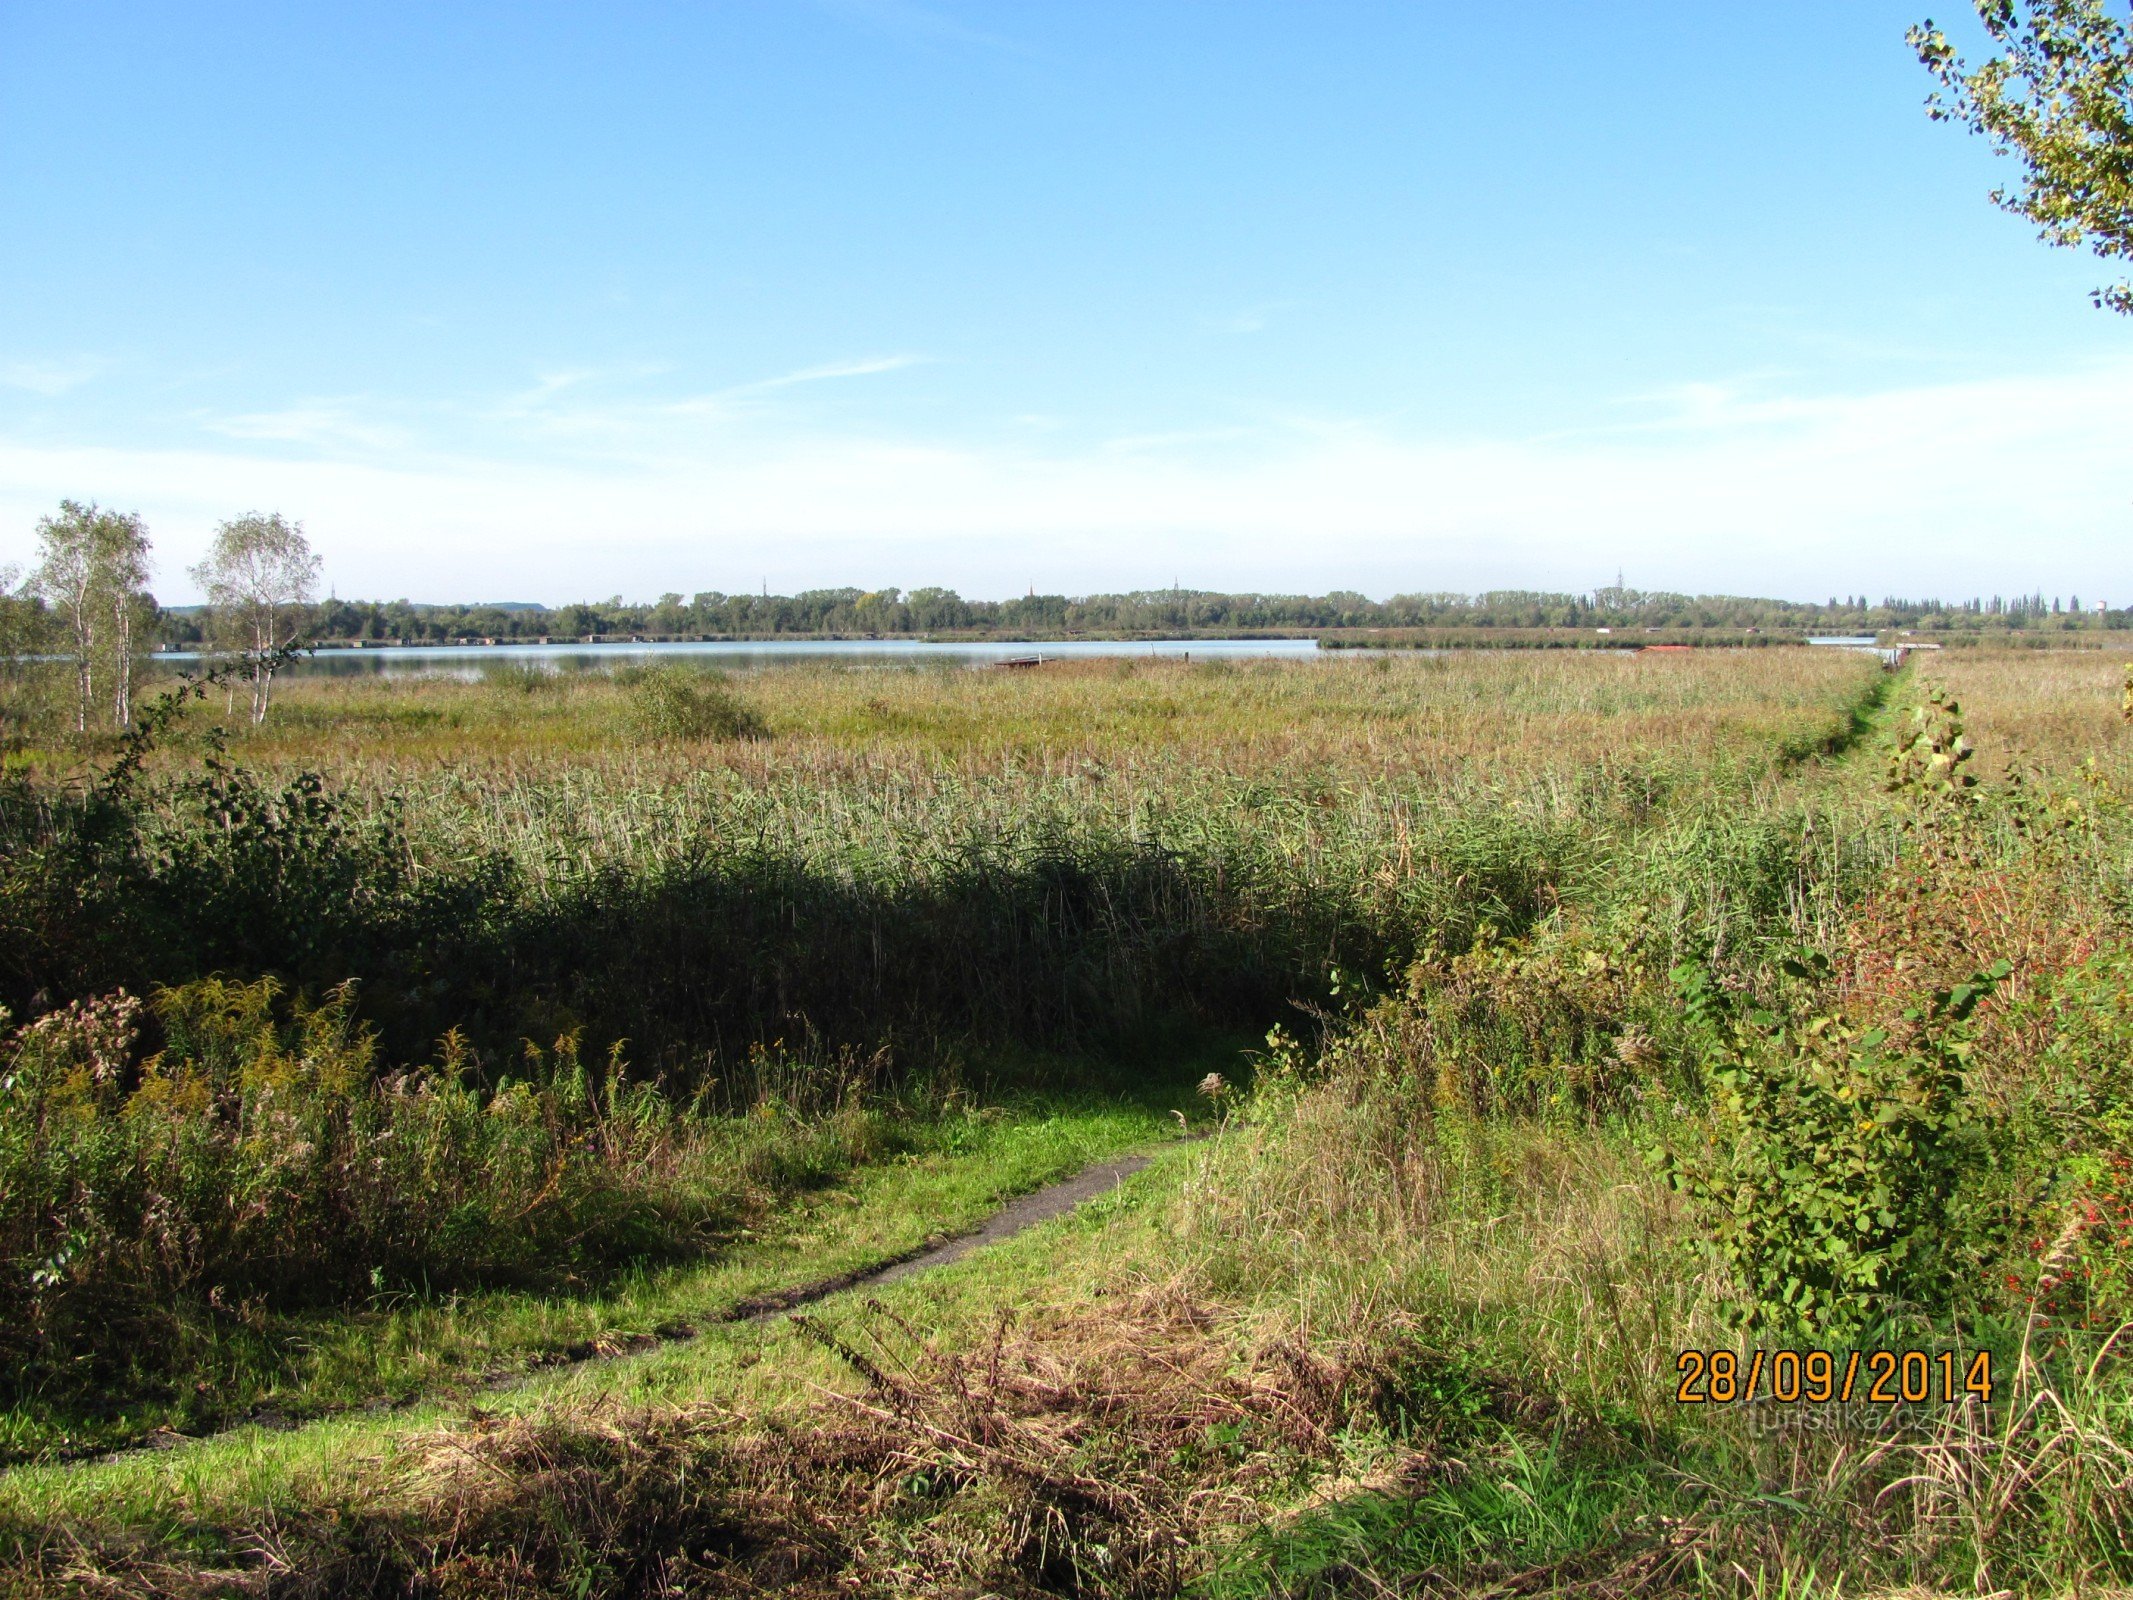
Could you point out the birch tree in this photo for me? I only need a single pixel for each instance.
(125, 557)
(261, 578)
(92, 570)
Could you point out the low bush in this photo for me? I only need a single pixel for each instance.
(668, 703)
(1834, 1161)
(261, 1159)
(522, 678)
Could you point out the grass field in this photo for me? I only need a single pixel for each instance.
(1601, 1009)
(1439, 713)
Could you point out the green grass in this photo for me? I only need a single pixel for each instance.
(238, 1478)
(956, 1166)
(1410, 1321)
(1520, 1506)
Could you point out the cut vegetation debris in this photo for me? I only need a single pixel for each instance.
(1598, 1015)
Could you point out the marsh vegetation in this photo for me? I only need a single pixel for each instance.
(1599, 1008)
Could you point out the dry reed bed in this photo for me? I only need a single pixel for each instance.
(2048, 710)
(1507, 711)
(1320, 759)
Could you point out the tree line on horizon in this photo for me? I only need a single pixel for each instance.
(85, 605)
(937, 611)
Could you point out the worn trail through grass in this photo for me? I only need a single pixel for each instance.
(950, 1243)
(229, 1480)
(1055, 1200)
(988, 1175)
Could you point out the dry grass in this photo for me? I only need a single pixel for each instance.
(2040, 711)
(1544, 1253)
(1069, 1452)
(1510, 713)
(894, 769)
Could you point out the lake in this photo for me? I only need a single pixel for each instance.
(468, 661)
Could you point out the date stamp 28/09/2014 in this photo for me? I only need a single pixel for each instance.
(1823, 1377)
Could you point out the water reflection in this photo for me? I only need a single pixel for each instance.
(470, 661)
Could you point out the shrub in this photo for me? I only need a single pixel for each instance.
(1834, 1158)
(521, 677)
(261, 1157)
(673, 703)
(1542, 1026)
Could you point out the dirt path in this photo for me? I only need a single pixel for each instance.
(1005, 1223)
(1042, 1205)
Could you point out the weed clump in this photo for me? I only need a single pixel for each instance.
(524, 678)
(1836, 1160)
(669, 704)
(260, 1160)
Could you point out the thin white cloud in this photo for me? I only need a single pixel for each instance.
(1179, 438)
(547, 386)
(1247, 320)
(600, 413)
(329, 424)
(730, 401)
(578, 408)
(53, 376)
(865, 367)
(2002, 484)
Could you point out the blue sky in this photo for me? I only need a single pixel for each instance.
(547, 301)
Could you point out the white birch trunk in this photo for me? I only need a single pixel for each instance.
(84, 659)
(122, 658)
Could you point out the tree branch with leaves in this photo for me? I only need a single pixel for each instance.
(2058, 94)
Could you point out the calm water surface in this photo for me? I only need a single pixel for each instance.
(468, 661)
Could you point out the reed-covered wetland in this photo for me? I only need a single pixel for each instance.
(400, 1094)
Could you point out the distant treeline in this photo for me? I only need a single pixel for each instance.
(1600, 638)
(890, 612)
